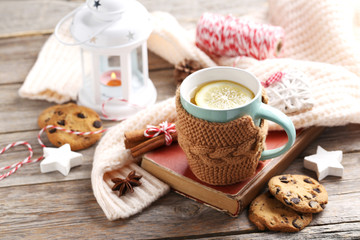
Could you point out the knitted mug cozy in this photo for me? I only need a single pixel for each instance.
(220, 153)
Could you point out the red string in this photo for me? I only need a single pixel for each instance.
(14, 167)
(165, 127)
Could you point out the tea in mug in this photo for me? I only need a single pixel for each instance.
(221, 94)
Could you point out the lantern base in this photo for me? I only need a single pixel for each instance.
(116, 107)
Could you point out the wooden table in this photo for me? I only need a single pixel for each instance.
(50, 206)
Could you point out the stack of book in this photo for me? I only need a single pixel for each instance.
(170, 165)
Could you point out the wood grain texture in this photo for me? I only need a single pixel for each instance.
(336, 231)
(17, 56)
(44, 15)
(76, 211)
(43, 206)
(17, 20)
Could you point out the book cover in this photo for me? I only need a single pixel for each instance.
(170, 165)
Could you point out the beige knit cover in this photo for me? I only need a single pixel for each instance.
(322, 40)
(220, 153)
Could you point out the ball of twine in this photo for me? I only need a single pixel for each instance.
(229, 36)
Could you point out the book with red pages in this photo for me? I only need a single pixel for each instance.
(170, 165)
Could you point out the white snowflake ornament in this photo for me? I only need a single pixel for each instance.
(289, 91)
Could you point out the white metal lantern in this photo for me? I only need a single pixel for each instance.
(112, 35)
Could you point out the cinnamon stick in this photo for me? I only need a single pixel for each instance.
(131, 144)
(139, 144)
(150, 144)
(136, 137)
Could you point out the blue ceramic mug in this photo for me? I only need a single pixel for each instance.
(255, 108)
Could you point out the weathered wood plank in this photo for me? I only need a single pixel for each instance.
(18, 55)
(343, 138)
(333, 231)
(50, 209)
(36, 206)
(334, 185)
(44, 15)
(173, 207)
(188, 12)
(21, 114)
(30, 173)
(164, 83)
(157, 63)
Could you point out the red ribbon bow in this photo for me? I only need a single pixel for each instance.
(164, 127)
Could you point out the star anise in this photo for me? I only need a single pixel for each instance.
(126, 185)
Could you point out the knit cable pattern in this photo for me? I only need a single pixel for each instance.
(220, 153)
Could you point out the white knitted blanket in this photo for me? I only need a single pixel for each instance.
(322, 40)
(111, 160)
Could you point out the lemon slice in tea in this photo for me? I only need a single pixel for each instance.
(223, 95)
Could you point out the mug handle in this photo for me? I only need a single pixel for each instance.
(275, 115)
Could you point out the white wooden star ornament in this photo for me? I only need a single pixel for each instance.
(325, 163)
(60, 159)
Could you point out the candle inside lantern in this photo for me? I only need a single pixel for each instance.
(111, 78)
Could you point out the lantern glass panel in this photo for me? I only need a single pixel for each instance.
(137, 67)
(110, 76)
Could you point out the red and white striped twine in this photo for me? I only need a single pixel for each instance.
(230, 37)
(106, 116)
(65, 130)
(14, 167)
(165, 127)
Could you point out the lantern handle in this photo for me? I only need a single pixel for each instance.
(71, 14)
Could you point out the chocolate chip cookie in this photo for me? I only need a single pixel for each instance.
(267, 212)
(299, 192)
(72, 117)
